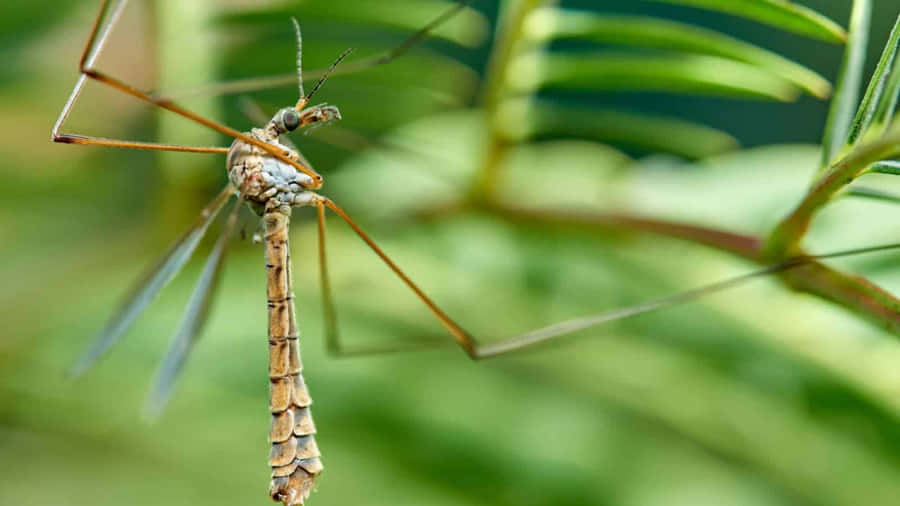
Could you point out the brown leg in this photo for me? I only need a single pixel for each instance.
(528, 339)
(92, 50)
(342, 138)
(333, 342)
(461, 336)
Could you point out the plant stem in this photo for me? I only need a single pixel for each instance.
(744, 246)
(507, 42)
(784, 241)
(854, 293)
(509, 35)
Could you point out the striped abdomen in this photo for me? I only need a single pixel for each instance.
(294, 455)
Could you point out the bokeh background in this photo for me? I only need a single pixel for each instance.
(758, 396)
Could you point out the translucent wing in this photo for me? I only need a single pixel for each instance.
(195, 316)
(150, 285)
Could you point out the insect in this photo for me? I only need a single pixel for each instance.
(272, 177)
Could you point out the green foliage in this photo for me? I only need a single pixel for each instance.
(468, 28)
(672, 36)
(844, 103)
(683, 58)
(624, 72)
(886, 167)
(877, 107)
(783, 14)
(871, 193)
(525, 119)
(873, 135)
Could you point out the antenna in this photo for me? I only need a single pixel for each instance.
(305, 99)
(299, 55)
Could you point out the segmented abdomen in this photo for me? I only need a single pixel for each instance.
(294, 456)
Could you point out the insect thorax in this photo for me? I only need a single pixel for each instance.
(264, 180)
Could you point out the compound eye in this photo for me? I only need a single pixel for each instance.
(291, 120)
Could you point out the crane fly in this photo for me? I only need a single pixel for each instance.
(270, 175)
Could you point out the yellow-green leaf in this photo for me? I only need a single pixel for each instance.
(551, 23)
(524, 118)
(778, 13)
(609, 71)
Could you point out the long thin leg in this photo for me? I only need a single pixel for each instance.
(88, 57)
(267, 82)
(92, 50)
(333, 341)
(151, 284)
(463, 338)
(528, 339)
(195, 317)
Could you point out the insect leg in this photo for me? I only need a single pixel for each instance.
(461, 336)
(333, 342)
(529, 339)
(342, 138)
(92, 50)
(252, 110)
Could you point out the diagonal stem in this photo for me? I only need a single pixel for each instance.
(784, 241)
(507, 43)
(744, 246)
(854, 293)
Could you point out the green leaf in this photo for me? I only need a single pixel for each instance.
(886, 167)
(523, 118)
(606, 71)
(878, 86)
(551, 23)
(778, 13)
(468, 28)
(844, 103)
(782, 440)
(872, 193)
(16, 28)
(889, 97)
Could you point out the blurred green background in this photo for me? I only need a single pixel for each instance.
(757, 396)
